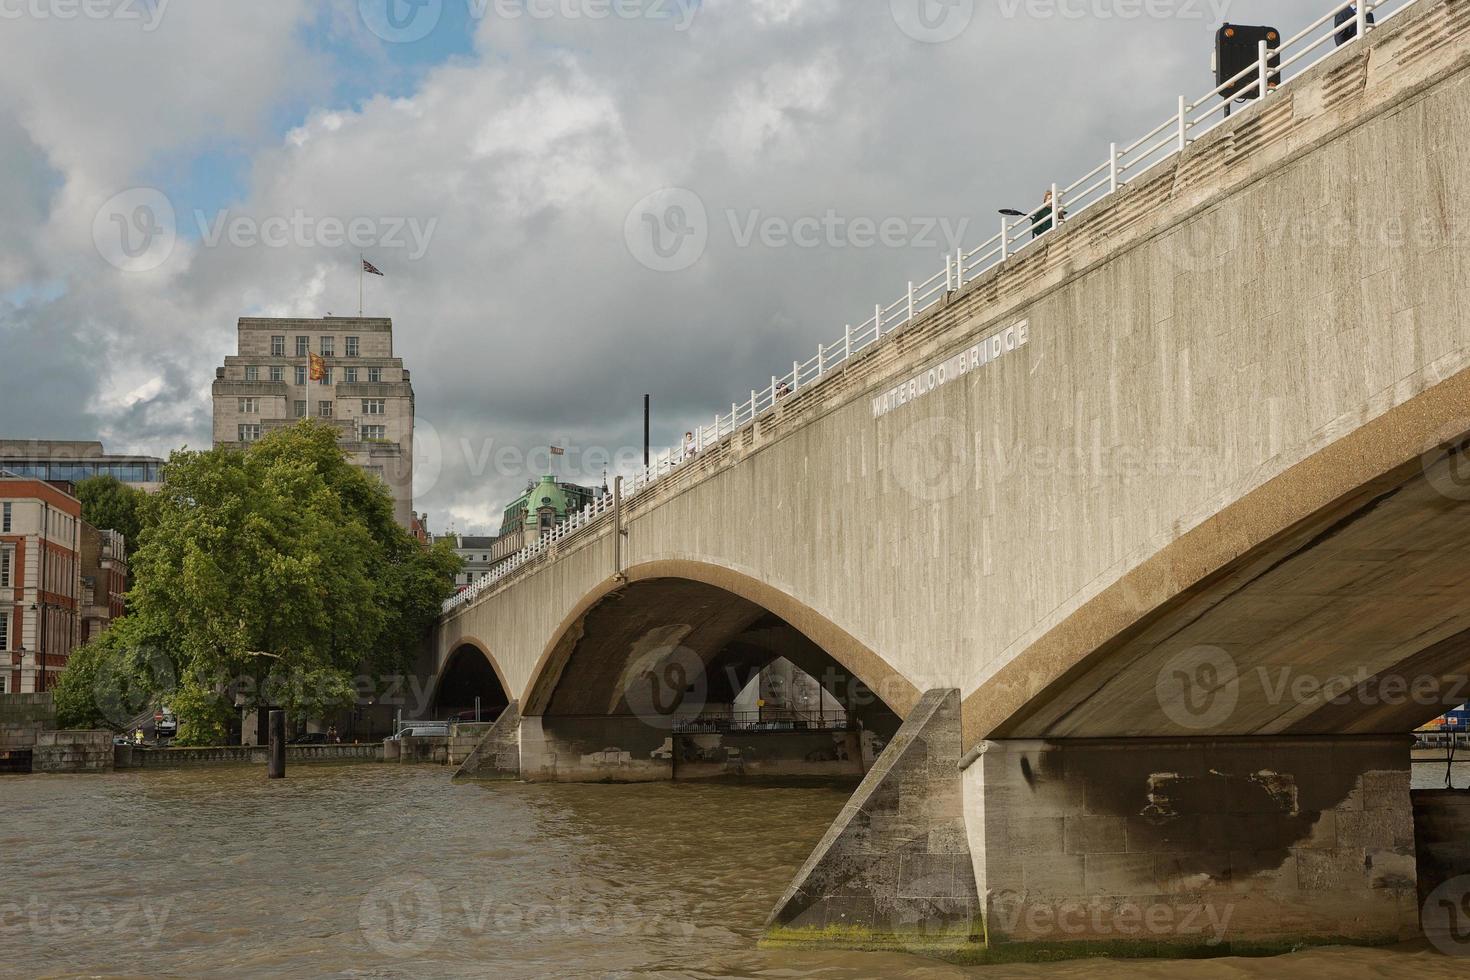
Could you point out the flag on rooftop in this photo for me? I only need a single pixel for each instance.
(318, 367)
(558, 451)
(370, 269)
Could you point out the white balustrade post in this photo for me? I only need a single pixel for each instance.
(1113, 168)
(1363, 25)
(847, 343)
(1264, 85)
(734, 417)
(877, 322)
(1005, 238)
(911, 299)
(821, 359)
(795, 376)
(959, 268)
(752, 405)
(1056, 208)
(948, 273)
(1183, 124)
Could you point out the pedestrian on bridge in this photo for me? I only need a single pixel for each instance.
(1349, 16)
(1041, 222)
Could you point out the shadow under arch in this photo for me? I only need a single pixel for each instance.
(1282, 582)
(469, 671)
(756, 601)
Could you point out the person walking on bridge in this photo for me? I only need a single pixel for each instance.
(1349, 16)
(1041, 219)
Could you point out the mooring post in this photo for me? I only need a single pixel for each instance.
(276, 765)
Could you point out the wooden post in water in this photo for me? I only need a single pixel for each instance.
(276, 763)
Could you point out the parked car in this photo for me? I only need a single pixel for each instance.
(425, 728)
(310, 738)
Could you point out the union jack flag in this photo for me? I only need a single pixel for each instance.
(370, 269)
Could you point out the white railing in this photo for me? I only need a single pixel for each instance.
(1124, 164)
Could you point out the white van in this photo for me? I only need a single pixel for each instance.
(425, 728)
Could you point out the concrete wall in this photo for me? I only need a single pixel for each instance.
(1157, 847)
(1203, 332)
(73, 752)
(130, 757)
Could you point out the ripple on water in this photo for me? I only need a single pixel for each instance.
(393, 871)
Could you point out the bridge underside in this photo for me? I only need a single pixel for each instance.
(1355, 621)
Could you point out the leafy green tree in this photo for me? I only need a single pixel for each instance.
(110, 504)
(277, 576)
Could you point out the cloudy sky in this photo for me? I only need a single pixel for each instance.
(497, 158)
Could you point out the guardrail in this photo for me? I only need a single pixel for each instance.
(1191, 120)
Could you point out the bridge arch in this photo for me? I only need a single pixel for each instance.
(470, 671)
(1289, 583)
(739, 609)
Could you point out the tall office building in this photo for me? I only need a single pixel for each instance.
(362, 390)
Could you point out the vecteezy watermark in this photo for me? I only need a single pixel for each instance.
(300, 229)
(137, 230)
(147, 13)
(668, 230)
(667, 686)
(407, 21)
(1446, 460)
(1199, 688)
(1018, 916)
(59, 922)
(1445, 917)
(407, 916)
(1214, 11)
(932, 21)
(834, 231)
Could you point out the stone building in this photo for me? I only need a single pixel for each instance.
(545, 504)
(104, 568)
(64, 461)
(363, 391)
(40, 582)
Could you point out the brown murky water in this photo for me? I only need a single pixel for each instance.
(389, 871)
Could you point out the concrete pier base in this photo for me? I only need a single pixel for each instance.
(894, 870)
(1215, 846)
(498, 754)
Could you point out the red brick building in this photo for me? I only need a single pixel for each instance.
(40, 583)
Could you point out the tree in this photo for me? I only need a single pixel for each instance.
(277, 576)
(110, 504)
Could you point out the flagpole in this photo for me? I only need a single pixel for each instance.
(361, 271)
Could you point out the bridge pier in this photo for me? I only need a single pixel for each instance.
(1208, 846)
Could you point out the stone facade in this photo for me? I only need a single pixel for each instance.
(1172, 846)
(366, 393)
(894, 869)
(57, 752)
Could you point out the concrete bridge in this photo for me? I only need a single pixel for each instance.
(1137, 597)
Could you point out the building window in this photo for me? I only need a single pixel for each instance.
(303, 346)
(329, 347)
(278, 374)
(4, 637)
(4, 518)
(301, 375)
(252, 373)
(326, 376)
(374, 406)
(324, 409)
(278, 347)
(7, 561)
(352, 348)
(374, 433)
(375, 376)
(301, 410)
(250, 406)
(250, 432)
(350, 375)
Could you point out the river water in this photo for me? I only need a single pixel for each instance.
(388, 871)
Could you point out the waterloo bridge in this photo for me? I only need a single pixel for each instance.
(1201, 442)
